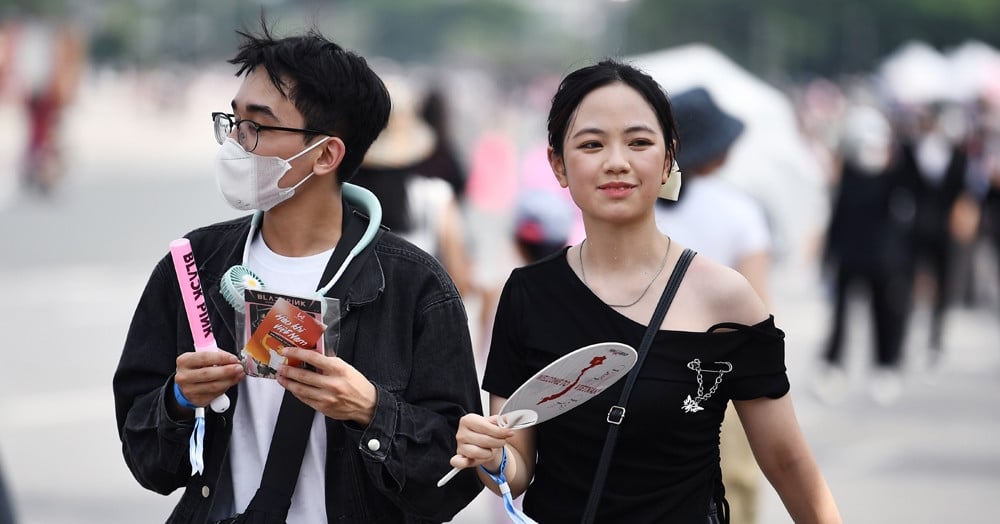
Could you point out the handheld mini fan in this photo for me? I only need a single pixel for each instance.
(238, 279)
(562, 385)
(235, 281)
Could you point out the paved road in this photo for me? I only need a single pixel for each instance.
(72, 268)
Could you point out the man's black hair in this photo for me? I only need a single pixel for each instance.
(334, 89)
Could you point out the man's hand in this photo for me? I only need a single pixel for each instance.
(335, 389)
(204, 375)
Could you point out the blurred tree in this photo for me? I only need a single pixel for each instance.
(500, 33)
(774, 38)
(38, 7)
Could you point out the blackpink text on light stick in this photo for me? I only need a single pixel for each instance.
(195, 305)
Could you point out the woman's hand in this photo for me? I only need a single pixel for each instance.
(480, 441)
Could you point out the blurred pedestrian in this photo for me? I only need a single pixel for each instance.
(46, 59)
(868, 252)
(991, 215)
(373, 415)
(6, 501)
(725, 224)
(542, 224)
(612, 144)
(541, 229)
(536, 175)
(970, 217)
(417, 203)
(990, 165)
(493, 183)
(444, 161)
(934, 163)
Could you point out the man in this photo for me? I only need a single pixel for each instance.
(720, 222)
(387, 404)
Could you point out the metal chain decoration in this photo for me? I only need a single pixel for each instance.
(692, 405)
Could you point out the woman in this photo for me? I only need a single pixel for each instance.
(417, 202)
(612, 144)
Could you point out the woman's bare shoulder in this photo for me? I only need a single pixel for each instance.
(724, 293)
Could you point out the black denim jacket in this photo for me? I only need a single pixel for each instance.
(403, 326)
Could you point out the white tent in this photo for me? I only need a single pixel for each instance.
(917, 74)
(771, 161)
(975, 71)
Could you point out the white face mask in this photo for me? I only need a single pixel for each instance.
(249, 181)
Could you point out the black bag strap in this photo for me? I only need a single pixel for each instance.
(291, 430)
(617, 412)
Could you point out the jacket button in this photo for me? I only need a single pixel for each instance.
(205, 492)
(374, 444)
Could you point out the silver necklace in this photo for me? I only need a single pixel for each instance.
(692, 405)
(583, 273)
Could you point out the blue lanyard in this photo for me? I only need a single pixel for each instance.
(515, 514)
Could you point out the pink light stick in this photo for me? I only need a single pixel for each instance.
(195, 306)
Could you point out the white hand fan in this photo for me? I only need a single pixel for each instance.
(564, 384)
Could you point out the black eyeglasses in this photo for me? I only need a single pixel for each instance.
(248, 131)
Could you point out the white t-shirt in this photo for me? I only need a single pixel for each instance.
(427, 199)
(260, 400)
(717, 220)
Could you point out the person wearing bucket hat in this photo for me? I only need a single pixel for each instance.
(652, 456)
(710, 214)
(418, 204)
(724, 224)
(707, 132)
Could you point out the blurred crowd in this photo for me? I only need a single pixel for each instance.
(912, 151)
(911, 179)
(905, 183)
